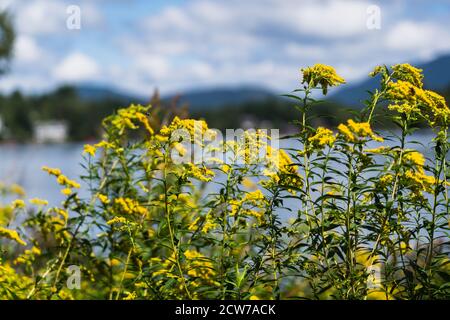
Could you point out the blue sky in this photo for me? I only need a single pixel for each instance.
(140, 45)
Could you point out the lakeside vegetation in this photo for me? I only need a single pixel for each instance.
(83, 116)
(362, 223)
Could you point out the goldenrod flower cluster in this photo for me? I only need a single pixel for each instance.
(414, 176)
(62, 180)
(281, 170)
(323, 137)
(321, 74)
(357, 131)
(253, 204)
(311, 223)
(409, 98)
(408, 73)
(12, 235)
(130, 207)
(130, 118)
(196, 130)
(199, 172)
(199, 267)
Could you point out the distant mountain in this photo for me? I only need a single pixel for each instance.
(196, 99)
(96, 93)
(224, 96)
(436, 77)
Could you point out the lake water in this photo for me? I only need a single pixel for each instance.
(22, 164)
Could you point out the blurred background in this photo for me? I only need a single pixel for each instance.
(65, 65)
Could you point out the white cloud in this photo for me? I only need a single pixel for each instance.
(26, 50)
(76, 67)
(155, 66)
(425, 38)
(299, 51)
(40, 17)
(224, 42)
(234, 42)
(43, 17)
(325, 19)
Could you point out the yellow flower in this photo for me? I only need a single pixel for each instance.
(225, 168)
(404, 247)
(130, 206)
(89, 149)
(52, 171)
(38, 202)
(195, 128)
(12, 235)
(104, 144)
(355, 131)
(64, 181)
(36, 251)
(410, 99)
(66, 191)
(376, 70)
(418, 181)
(385, 180)
(405, 96)
(208, 225)
(116, 220)
(377, 150)
(345, 131)
(436, 110)
(201, 173)
(404, 108)
(407, 72)
(249, 184)
(19, 203)
(322, 138)
(60, 178)
(144, 120)
(199, 266)
(254, 196)
(414, 158)
(63, 213)
(128, 118)
(281, 170)
(321, 74)
(103, 199)
(15, 188)
(193, 226)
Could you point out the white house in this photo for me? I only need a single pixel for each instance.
(50, 131)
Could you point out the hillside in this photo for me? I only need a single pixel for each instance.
(436, 77)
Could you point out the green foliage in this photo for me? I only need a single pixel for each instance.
(330, 218)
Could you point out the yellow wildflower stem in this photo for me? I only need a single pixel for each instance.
(394, 193)
(127, 262)
(377, 97)
(224, 237)
(125, 269)
(69, 247)
(175, 248)
(306, 157)
(437, 178)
